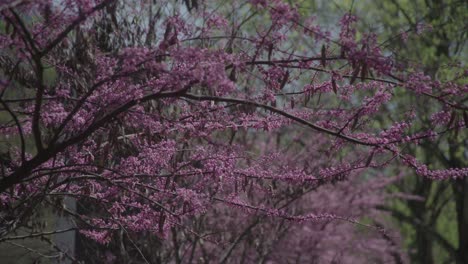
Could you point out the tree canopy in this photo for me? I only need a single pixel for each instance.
(205, 131)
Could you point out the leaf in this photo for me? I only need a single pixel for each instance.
(111, 9)
(355, 122)
(244, 184)
(47, 13)
(270, 51)
(369, 160)
(8, 27)
(307, 97)
(167, 32)
(355, 74)
(452, 119)
(342, 53)
(162, 219)
(324, 56)
(188, 5)
(232, 75)
(364, 72)
(195, 4)
(284, 80)
(228, 49)
(334, 87)
(168, 181)
(185, 207)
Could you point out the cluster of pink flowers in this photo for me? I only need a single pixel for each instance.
(165, 129)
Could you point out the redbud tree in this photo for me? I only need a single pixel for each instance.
(198, 131)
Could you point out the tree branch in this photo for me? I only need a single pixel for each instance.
(277, 111)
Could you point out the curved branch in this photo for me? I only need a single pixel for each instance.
(280, 112)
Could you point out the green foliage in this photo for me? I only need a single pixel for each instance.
(438, 48)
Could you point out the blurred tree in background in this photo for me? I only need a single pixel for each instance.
(234, 132)
(436, 227)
